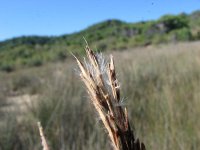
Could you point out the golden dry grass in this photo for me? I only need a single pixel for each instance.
(104, 91)
(43, 139)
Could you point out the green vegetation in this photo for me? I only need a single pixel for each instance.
(108, 35)
(160, 86)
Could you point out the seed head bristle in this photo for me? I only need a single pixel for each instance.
(104, 91)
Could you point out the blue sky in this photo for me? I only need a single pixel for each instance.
(57, 17)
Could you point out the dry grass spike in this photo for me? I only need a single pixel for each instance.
(104, 91)
(43, 140)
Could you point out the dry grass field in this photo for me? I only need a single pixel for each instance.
(160, 87)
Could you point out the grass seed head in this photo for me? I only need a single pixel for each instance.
(101, 82)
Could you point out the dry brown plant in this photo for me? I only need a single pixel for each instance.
(43, 139)
(103, 88)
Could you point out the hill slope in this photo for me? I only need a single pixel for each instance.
(107, 35)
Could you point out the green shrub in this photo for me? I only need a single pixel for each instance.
(60, 55)
(183, 34)
(35, 61)
(7, 67)
(172, 22)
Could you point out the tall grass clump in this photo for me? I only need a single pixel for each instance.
(163, 88)
(103, 88)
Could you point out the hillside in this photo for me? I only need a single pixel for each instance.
(28, 51)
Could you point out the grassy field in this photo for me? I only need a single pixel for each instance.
(160, 86)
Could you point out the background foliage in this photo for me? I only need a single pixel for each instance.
(108, 35)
